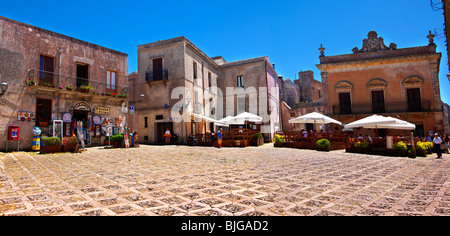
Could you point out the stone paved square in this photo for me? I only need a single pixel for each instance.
(205, 181)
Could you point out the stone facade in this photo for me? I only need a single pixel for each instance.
(180, 61)
(205, 81)
(384, 80)
(52, 64)
(303, 96)
(260, 82)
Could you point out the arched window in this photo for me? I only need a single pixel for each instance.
(412, 81)
(377, 84)
(343, 87)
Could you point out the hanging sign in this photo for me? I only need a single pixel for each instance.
(101, 110)
(96, 120)
(67, 118)
(82, 106)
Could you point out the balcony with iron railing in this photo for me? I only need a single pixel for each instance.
(45, 80)
(151, 76)
(390, 107)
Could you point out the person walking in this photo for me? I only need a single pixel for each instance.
(437, 141)
(219, 138)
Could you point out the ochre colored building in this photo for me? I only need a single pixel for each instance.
(378, 79)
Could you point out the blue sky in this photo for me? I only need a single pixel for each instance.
(289, 32)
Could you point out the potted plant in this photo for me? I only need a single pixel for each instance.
(257, 139)
(279, 140)
(115, 140)
(323, 145)
(421, 149)
(86, 88)
(400, 149)
(69, 88)
(70, 144)
(31, 83)
(362, 146)
(50, 145)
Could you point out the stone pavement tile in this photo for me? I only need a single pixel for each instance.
(208, 181)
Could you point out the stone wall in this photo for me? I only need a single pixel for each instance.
(21, 46)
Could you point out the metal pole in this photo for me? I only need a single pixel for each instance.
(413, 145)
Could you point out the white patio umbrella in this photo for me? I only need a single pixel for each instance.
(243, 117)
(381, 122)
(226, 120)
(314, 117)
(399, 124)
(216, 122)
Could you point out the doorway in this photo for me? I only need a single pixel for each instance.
(378, 105)
(43, 112)
(160, 130)
(82, 75)
(414, 100)
(419, 131)
(79, 115)
(345, 103)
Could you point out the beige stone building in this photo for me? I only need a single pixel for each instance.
(380, 79)
(164, 66)
(55, 77)
(259, 82)
(185, 90)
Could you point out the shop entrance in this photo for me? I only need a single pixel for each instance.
(160, 129)
(79, 115)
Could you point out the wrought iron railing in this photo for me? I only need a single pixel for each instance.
(390, 107)
(73, 83)
(156, 75)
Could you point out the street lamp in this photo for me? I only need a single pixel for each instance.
(3, 87)
(141, 99)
